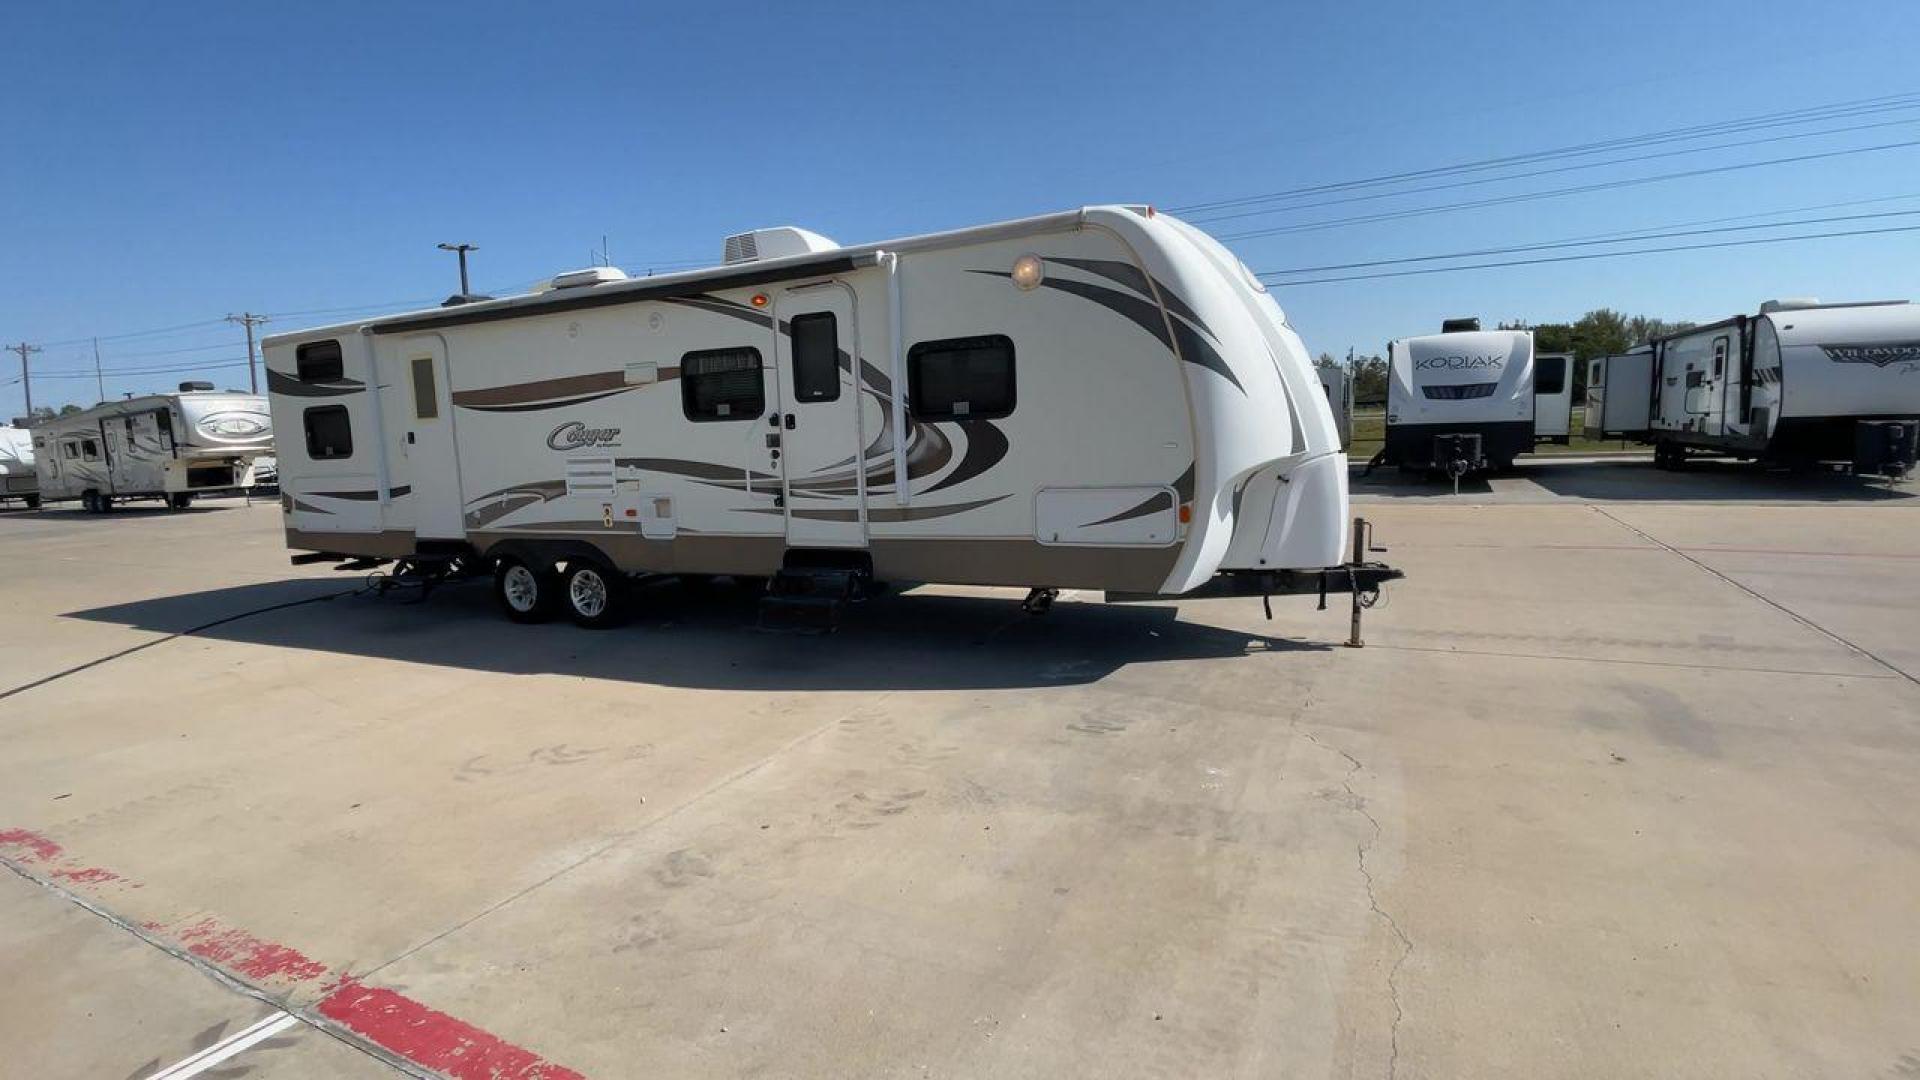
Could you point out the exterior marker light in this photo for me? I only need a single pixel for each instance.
(1028, 272)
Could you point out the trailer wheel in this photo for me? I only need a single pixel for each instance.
(180, 500)
(595, 594)
(525, 594)
(32, 501)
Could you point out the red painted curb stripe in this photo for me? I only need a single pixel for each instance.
(433, 1039)
(246, 954)
(394, 1022)
(37, 847)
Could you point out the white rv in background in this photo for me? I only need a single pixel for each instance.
(1104, 399)
(17, 480)
(1460, 401)
(1799, 383)
(170, 447)
(1338, 386)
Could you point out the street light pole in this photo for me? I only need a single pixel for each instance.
(461, 250)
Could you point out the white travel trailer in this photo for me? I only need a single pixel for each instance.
(1102, 399)
(170, 447)
(1460, 401)
(1339, 390)
(1799, 383)
(16, 466)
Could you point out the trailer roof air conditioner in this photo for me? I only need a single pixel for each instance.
(189, 387)
(1792, 303)
(1457, 326)
(776, 243)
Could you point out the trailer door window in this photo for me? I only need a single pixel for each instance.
(89, 449)
(426, 396)
(722, 384)
(319, 361)
(962, 378)
(69, 450)
(816, 357)
(1551, 375)
(329, 435)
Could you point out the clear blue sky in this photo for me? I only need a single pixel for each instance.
(167, 164)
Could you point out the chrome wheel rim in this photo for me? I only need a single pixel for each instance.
(522, 588)
(589, 593)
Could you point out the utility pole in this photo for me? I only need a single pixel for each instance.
(461, 250)
(249, 320)
(26, 381)
(99, 383)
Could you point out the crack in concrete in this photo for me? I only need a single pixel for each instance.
(1358, 804)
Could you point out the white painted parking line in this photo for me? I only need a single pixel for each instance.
(227, 1047)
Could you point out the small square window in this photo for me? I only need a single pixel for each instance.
(962, 378)
(329, 433)
(319, 362)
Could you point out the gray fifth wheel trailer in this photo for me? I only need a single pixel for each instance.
(170, 447)
(1101, 399)
(1800, 383)
(1468, 400)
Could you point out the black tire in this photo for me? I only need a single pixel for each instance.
(594, 594)
(180, 500)
(32, 501)
(525, 594)
(90, 502)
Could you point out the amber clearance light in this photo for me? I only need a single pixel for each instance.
(759, 299)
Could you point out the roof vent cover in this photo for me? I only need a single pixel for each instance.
(592, 275)
(781, 242)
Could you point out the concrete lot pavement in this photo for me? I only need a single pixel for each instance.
(1617, 789)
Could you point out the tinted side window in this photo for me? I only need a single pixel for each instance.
(90, 450)
(962, 378)
(816, 357)
(426, 396)
(1550, 377)
(319, 361)
(722, 384)
(329, 434)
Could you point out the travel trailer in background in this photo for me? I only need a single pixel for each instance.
(1798, 383)
(161, 446)
(1101, 399)
(1338, 387)
(16, 466)
(1460, 401)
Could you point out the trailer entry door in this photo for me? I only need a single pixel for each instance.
(818, 425)
(428, 447)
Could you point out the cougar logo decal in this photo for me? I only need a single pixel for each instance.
(574, 435)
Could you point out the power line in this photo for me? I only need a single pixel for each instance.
(1760, 122)
(1556, 244)
(1596, 255)
(1553, 193)
(1261, 211)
